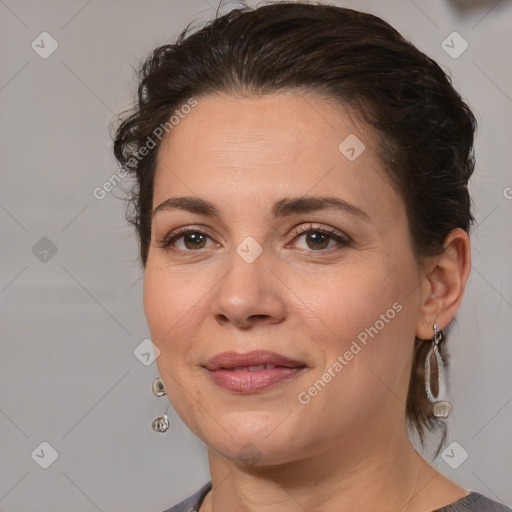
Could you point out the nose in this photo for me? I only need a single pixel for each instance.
(248, 295)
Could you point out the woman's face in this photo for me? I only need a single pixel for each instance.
(340, 302)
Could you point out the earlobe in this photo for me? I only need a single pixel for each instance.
(443, 288)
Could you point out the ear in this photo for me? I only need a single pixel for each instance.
(443, 287)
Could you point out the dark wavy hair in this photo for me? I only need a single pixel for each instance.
(424, 128)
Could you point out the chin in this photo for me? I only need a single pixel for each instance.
(254, 452)
(252, 438)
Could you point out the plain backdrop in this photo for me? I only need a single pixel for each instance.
(71, 285)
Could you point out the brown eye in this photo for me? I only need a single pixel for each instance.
(187, 240)
(317, 240)
(194, 240)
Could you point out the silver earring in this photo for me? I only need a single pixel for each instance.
(160, 424)
(435, 378)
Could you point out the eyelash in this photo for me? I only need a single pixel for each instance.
(343, 240)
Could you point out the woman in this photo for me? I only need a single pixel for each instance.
(303, 216)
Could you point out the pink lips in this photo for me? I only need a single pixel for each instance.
(252, 371)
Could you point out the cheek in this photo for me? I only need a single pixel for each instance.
(166, 306)
(353, 300)
(169, 308)
(156, 295)
(367, 320)
(364, 367)
(175, 302)
(170, 299)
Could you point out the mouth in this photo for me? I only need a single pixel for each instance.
(253, 368)
(255, 360)
(253, 371)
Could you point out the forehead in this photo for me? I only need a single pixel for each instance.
(279, 144)
(276, 121)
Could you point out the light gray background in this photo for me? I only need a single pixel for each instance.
(69, 326)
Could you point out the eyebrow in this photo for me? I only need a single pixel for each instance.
(282, 208)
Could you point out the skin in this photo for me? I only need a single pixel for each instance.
(347, 449)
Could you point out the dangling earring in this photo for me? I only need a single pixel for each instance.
(160, 424)
(435, 378)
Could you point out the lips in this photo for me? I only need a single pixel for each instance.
(251, 361)
(254, 368)
(253, 371)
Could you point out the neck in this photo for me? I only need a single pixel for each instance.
(385, 473)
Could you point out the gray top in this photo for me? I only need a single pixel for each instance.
(473, 502)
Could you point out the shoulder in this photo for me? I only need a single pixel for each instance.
(475, 502)
(192, 503)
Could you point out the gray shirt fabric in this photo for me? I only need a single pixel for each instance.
(473, 502)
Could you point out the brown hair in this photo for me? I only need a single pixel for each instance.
(425, 129)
